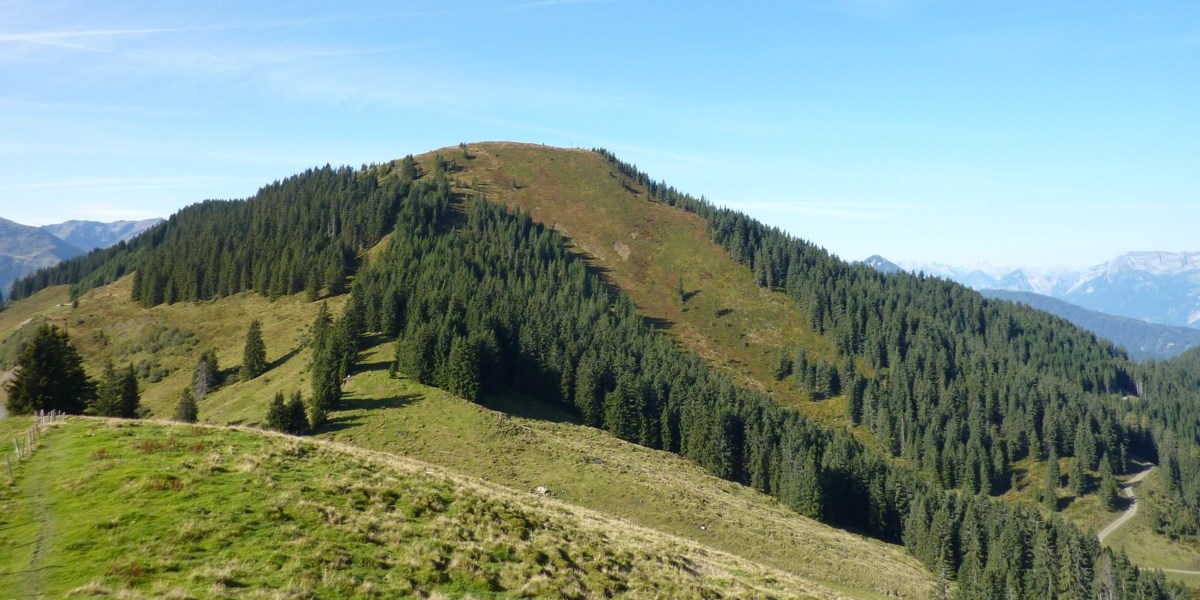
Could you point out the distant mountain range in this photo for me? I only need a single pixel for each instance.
(1148, 302)
(1156, 287)
(1141, 339)
(25, 249)
(89, 235)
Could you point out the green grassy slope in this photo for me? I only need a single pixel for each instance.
(523, 444)
(583, 466)
(151, 509)
(168, 339)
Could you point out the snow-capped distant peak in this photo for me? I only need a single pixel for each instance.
(1155, 263)
(882, 264)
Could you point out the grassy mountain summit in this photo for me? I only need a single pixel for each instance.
(568, 286)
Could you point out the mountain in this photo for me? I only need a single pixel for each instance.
(1155, 287)
(25, 249)
(582, 299)
(1141, 339)
(882, 264)
(88, 235)
(1158, 287)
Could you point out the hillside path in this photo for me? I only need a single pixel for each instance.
(38, 478)
(1129, 514)
(1133, 505)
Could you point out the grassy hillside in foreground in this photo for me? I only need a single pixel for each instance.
(150, 509)
(584, 466)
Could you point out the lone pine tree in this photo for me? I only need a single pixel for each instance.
(205, 378)
(254, 355)
(187, 411)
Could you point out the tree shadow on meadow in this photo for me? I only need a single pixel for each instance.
(354, 411)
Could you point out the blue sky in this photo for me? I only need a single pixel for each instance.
(1024, 133)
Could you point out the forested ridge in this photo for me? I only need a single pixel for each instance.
(301, 233)
(963, 386)
(484, 300)
(1172, 389)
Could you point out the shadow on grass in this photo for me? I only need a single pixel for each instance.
(279, 362)
(658, 324)
(342, 418)
(379, 365)
(519, 405)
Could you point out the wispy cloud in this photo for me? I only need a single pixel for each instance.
(77, 108)
(53, 37)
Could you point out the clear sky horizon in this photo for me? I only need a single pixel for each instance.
(1019, 133)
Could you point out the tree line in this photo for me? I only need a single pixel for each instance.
(298, 234)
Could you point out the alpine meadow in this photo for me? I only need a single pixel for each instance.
(512, 370)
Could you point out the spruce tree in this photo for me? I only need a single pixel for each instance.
(463, 369)
(254, 355)
(1108, 485)
(50, 376)
(187, 411)
(589, 390)
(297, 417)
(277, 415)
(821, 379)
(782, 366)
(205, 377)
(107, 402)
(131, 396)
(1077, 477)
(1053, 475)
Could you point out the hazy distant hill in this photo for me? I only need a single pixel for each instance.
(1158, 287)
(1143, 340)
(88, 235)
(25, 249)
(882, 264)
